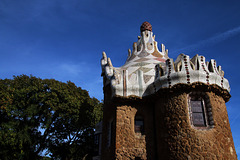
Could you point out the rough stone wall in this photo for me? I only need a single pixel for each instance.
(178, 139)
(129, 144)
(126, 144)
(169, 134)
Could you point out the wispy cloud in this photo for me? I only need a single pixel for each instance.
(210, 41)
(71, 69)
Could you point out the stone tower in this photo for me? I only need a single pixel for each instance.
(157, 108)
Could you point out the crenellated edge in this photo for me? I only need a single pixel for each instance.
(187, 71)
(183, 71)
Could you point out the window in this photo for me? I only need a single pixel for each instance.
(110, 133)
(200, 110)
(198, 114)
(96, 144)
(96, 139)
(139, 124)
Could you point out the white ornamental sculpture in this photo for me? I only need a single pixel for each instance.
(148, 70)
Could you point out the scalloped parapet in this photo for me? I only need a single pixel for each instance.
(147, 70)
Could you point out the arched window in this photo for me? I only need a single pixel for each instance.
(139, 124)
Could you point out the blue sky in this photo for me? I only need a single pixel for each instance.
(64, 39)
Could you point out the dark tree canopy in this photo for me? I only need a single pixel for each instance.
(39, 115)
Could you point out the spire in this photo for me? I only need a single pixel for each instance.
(146, 26)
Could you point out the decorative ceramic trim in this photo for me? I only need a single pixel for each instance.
(147, 69)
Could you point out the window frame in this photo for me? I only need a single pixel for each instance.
(139, 118)
(206, 109)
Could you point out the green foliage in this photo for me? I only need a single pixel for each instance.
(45, 114)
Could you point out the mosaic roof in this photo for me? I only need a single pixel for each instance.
(147, 69)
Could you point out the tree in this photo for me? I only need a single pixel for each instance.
(38, 115)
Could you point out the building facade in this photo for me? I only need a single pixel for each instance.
(157, 108)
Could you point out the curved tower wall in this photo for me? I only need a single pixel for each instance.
(177, 138)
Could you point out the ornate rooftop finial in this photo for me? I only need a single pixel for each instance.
(146, 26)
